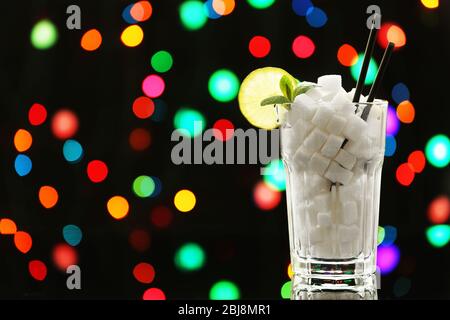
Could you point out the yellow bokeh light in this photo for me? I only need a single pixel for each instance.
(430, 4)
(132, 36)
(184, 200)
(290, 272)
(118, 207)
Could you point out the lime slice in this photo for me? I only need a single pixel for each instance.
(257, 86)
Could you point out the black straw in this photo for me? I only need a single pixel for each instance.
(365, 65)
(381, 71)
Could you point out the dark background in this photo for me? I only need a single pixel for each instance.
(242, 243)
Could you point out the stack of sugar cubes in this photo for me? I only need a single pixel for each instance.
(327, 146)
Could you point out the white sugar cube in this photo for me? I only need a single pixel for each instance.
(348, 233)
(332, 146)
(328, 96)
(293, 137)
(319, 163)
(336, 124)
(316, 184)
(324, 219)
(304, 106)
(315, 235)
(322, 116)
(355, 128)
(336, 173)
(345, 159)
(349, 212)
(314, 93)
(331, 82)
(301, 158)
(346, 109)
(340, 99)
(352, 147)
(322, 202)
(315, 140)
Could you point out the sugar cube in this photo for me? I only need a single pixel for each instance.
(315, 140)
(304, 106)
(336, 124)
(324, 219)
(322, 116)
(332, 146)
(336, 173)
(331, 82)
(349, 212)
(345, 159)
(355, 128)
(322, 202)
(319, 163)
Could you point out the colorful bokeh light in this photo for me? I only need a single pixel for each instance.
(260, 4)
(193, 15)
(132, 36)
(72, 151)
(141, 11)
(44, 35)
(224, 290)
(153, 86)
(72, 234)
(23, 241)
(265, 197)
(139, 240)
(301, 7)
(303, 47)
(437, 151)
(161, 217)
(371, 72)
(225, 129)
(286, 290)
(430, 4)
(347, 55)
(316, 17)
(140, 139)
(118, 207)
(97, 171)
(64, 124)
(162, 61)
(153, 294)
(7, 226)
(388, 258)
(439, 210)
(439, 235)
(184, 200)
(23, 165)
(223, 85)
(64, 256)
(223, 7)
(144, 272)
(259, 46)
(37, 114)
(91, 40)
(275, 175)
(400, 93)
(23, 140)
(390, 146)
(143, 186)
(190, 122)
(406, 112)
(48, 197)
(390, 235)
(417, 160)
(380, 235)
(143, 107)
(37, 269)
(190, 257)
(392, 122)
(405, 174)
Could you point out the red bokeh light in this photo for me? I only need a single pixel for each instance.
(226, 129)
(144, 272)
(143, 107)
(265, 197)
(259, 46)
(303, 47)
(439, 210)
(139, 240)
(97, 171)
(417, 160)
(161, 217)
(140, 139)
(64, 256)
(154, 294)
(37, 269)
(405, 174)
(37, 114)
(64, 124)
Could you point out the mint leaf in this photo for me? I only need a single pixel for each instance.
(275, 100)
(302, 89)
(286, 87)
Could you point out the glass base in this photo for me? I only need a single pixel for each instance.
(334, 288)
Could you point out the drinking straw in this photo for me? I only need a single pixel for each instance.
(365, 65)
(381, 71)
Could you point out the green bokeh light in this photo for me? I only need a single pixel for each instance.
(286, 290)
(190, 122)
(438, 235)
(371, 72)
(224, 290)
(143, 186)
(275, 176)
(437, 151)
(260, 4)
(162, 61)
(190, 257)
(193, 14)
(223, 85)
(44, 35)
(381, 235)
